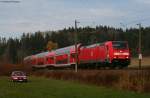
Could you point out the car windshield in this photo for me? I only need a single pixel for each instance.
(119, 45)
(18, 73)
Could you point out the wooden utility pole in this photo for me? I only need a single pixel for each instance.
(140, 45)
(76, 42)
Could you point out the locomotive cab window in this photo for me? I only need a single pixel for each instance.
(119, 45)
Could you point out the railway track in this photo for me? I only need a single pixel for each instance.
(129, 69)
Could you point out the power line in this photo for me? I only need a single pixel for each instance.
(10, 1)
(134, 21)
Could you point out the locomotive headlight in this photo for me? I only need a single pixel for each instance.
(115, 57)
(15, 78)
(116, 53)
(126, 53)
(127, 57)
(24, 77)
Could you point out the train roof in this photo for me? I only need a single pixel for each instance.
(41, 54)
(93, 45)
(48, 53)
(51, 53)
(98, 44)
(115, 41)
(28, 57)
(66, 50)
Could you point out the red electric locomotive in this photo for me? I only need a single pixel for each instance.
(107, 54)
(118, 53)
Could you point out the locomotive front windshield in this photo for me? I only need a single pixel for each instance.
(119, 45)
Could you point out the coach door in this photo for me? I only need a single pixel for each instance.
(107, 54)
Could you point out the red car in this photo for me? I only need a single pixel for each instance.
(18, 76)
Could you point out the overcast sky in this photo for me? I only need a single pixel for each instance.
(43, 15)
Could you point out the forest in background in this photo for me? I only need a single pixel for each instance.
(14, 50)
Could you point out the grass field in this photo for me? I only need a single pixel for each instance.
(39, 87)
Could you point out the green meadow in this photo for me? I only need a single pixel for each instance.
(40, 87)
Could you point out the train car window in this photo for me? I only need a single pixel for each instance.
(107, 48)
(102, 44)
(119, 45)
(51, 58)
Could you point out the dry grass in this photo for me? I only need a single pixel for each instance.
(145, 62)
(134, 80)
(6, 68)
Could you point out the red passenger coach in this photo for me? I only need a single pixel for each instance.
(39, 60)
(50, 59)
(31, 60)
(65, 57)
(45, 59)
(27, 60)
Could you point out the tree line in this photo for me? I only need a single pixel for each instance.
(14, 50)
